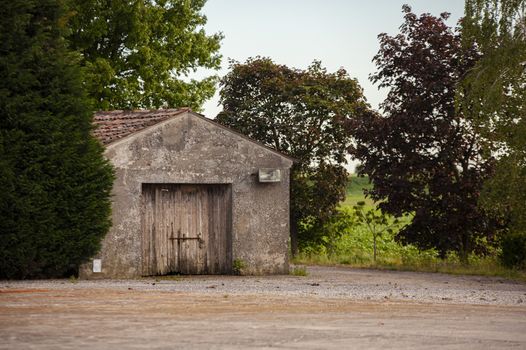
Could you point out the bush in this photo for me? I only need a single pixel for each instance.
(513, 253)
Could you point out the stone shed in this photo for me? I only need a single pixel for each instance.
(190, 197)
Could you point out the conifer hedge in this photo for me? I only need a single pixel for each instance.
(54, 181)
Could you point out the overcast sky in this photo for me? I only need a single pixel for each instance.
(340, 33)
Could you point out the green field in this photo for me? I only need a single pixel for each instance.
(355, 188)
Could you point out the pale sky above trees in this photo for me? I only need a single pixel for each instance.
(340, 33)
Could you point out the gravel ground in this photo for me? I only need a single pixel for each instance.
(331, 308)
(323, 282)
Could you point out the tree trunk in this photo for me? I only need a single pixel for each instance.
(463, 254)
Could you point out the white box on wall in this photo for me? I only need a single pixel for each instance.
(97, 265)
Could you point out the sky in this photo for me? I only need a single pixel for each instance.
(339, 33)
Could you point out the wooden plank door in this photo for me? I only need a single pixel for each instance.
(186, 229)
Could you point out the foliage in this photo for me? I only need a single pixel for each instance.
(238, 265)
(54, 203)
(376, 222)
(137, 51)
(353, 245)
(417, 260)
(299, 271)
(494, 95)
(424, 158)
(513, 253)
(333, 228)
(300, 113)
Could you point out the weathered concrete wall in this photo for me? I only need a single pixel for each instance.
(190, 149)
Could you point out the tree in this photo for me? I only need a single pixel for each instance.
(300, 113)
(54, 203)
(136, 52)
(424, 158)
(376, 222)
(493, 94)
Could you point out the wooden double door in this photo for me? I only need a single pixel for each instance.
(186, 229)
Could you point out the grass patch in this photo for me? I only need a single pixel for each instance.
(299, 271)
(487, 266)
(354, 192)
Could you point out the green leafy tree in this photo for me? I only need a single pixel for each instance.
(301, 113)
(423, 157)
(54, 203)
(493, 94)
(376, 222)
(138, 52)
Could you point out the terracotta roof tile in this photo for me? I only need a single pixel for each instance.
(114, 125)
(111, 126)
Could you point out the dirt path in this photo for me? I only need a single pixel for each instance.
(331, 309)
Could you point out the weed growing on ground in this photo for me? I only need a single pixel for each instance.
(238, 266)
(299, 271)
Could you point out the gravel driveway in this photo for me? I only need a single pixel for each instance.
(330, 308)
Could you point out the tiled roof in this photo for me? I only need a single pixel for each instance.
(114, 125)
(111, 126)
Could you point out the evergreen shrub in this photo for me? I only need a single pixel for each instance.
(54, 181)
